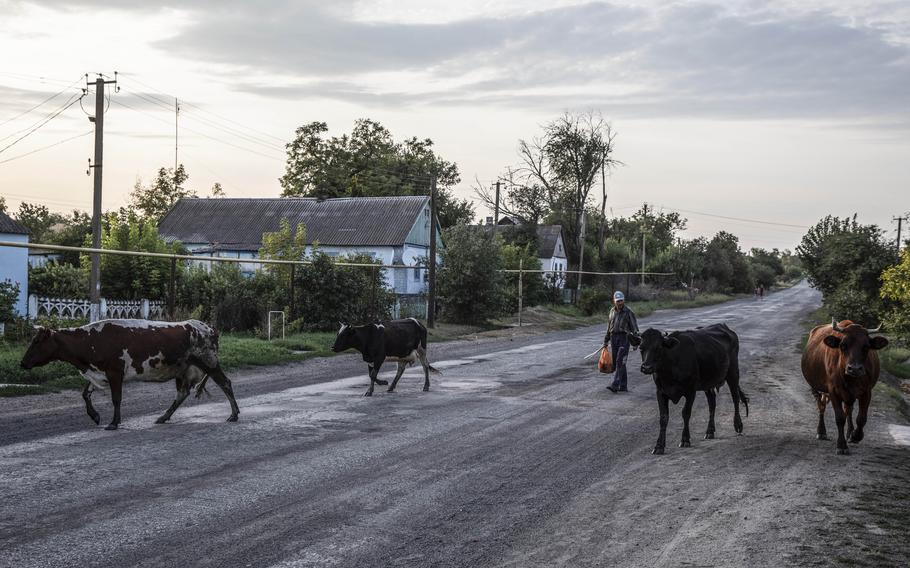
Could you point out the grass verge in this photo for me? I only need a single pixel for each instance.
(678, 301)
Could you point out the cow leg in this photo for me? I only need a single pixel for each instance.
(87, 397)
(861, 417)
(841, 419)
(821, 401)
(686, 440)
(712, 404)
(183, 391)
(224, 384)
(848, 410)
(401, 367)
(663, 403)
(422, 354)
(374, 372)
(116, 384)
(737, 418)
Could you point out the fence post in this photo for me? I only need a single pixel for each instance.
(144, 308)
(520, 274)
(628, 282)
(102, 309)
(293, 303)
(32, 306)
(172, 290)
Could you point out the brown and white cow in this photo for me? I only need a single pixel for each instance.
(111, 352)
(840, 363)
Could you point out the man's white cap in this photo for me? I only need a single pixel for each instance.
(617, 296)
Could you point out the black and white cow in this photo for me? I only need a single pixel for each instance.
(403, 341)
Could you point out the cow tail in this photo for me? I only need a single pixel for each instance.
(745, 399)
(200, 388)
(423, 345)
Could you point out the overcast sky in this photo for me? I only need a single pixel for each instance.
(774, 111)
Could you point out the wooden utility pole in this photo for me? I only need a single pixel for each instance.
(95, 273)
(520, 287)
(176, 115)
(643, 235)
(431, 285)
(899, 221)
(581, 255)
(496, 208)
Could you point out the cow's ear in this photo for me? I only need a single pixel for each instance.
(832, 341)
(878, 342)
(670, 342)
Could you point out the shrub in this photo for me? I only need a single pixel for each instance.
(9, 295)
(470, 286)
(595, 301)
(848, 302)
(58, 281)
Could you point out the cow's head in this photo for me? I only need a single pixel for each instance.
(653, 344)
(346, 338)
(854, 343)
(42, 350)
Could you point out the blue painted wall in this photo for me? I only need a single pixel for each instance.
(14, 266)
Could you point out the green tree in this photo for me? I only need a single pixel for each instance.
(155, 200)
(133, 277)
(369, 162)
(533, 284)
(726, 268)
(9, 295)
(71, 232)
(283, 244)
(2, 204)
(896, 291)
(39, 220)
(470, 286)
(217, 190)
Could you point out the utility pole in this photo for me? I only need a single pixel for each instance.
(176, 115)
(95, 274)
(581, 255)
(496, 209)
(899, 221)
(643, 235)
(431, 285)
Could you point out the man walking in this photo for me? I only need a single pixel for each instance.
(622, 324)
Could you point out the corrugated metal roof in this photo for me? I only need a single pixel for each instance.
(351, 221)
(547, 237)
(10, 226)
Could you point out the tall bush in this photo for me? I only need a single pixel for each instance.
(470, 286)
(58, 281)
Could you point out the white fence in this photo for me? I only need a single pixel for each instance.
(68, 308)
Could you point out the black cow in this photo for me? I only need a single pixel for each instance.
(684, 362)
(402, 340)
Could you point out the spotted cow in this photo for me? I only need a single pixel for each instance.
(111, 352)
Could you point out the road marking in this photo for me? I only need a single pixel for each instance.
(901, 434)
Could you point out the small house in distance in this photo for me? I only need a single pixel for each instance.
(392, 230)
(551, 249)
(14, 261)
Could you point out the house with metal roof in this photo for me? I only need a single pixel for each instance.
(551, 246)
(393, 230)
(14, 261)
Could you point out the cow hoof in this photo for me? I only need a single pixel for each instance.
(96, 418)
(843, 451)
(426, 389)
(378, 382)
(685, 444)
(112, 426)
(161, 420)
(368, 393)
(658, 451)
(709, 436)
(856, 438)
(390, 390)
(738, 427)
(822, 437)
(232, 418)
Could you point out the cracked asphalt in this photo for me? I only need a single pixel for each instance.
(518, 456)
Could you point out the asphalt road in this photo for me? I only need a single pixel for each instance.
(518, 456)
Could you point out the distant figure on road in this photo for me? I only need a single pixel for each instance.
(621, 325)
(761, 291)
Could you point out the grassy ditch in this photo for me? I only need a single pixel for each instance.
(236, 352)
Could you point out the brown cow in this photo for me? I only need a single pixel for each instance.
(111, 352)
(840, 363)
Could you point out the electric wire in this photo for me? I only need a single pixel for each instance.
(35, 151)
(36, 128)
(42, 103)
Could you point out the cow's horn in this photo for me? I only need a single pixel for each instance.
(876, 330)
(835, 327)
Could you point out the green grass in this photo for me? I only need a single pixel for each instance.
(894, 360)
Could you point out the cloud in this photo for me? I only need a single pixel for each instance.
(728, 60)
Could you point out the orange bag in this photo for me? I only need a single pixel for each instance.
(605, 364)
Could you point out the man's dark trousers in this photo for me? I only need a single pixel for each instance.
(619, 348)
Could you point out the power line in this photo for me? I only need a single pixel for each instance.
(42, 103)
(741, 219)
(35, 151)
(36, 128)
